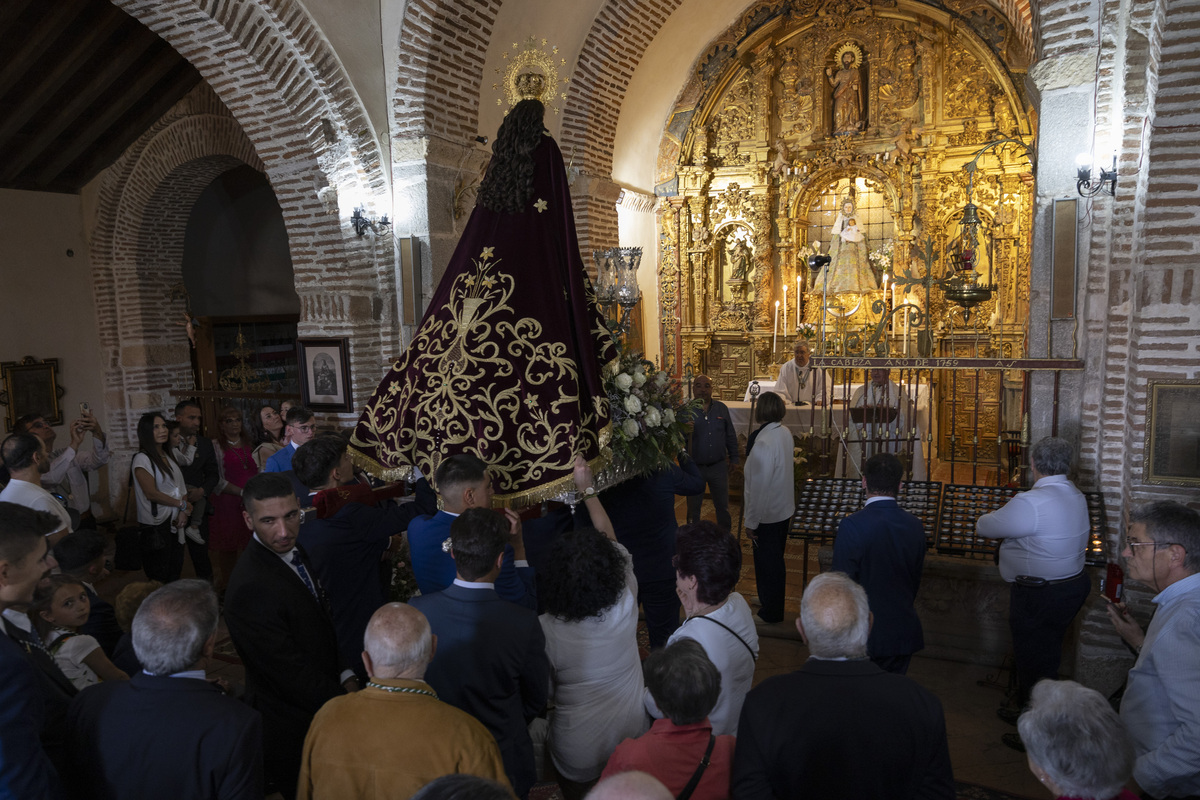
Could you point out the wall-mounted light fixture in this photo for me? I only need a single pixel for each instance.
(362, 222)
(1106, 183)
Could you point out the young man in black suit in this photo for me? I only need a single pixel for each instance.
(347, 547)
(882, 548)
(278, 617)
(840, 726)
(491, 654)
(32, 709)
(167, 731)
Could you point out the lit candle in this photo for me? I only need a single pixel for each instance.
(797, 303)
(775, 337)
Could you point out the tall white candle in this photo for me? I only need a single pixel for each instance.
(797, 301)
(775, 337)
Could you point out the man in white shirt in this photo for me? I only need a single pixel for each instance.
(27, 460)
(69, 465)
(1045, 532)
(1161, 705)
(800, 382)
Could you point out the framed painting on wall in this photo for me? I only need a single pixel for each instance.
(325, 374)
(1173, 433)
(31, 387)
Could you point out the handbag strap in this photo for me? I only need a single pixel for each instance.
(749, 649)
(691, 785)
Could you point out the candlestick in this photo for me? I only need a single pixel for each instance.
(775, 337)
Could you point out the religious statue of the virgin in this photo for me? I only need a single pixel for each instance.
(849, 271)
(506, 364)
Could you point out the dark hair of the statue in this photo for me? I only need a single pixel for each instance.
(508, 184)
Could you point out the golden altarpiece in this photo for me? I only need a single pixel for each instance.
(807, 109)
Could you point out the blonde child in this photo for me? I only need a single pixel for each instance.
(58, 611)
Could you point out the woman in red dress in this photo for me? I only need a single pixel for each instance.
(228, 534)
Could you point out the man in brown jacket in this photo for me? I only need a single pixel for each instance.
(414, 736)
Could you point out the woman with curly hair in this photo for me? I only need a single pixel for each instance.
(590, 623)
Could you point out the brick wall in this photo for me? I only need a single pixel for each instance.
(443, 45)
(618, 38)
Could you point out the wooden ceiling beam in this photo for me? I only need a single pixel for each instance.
(33, 44)
(86, 95)
(92, 130)
(135, 125)
(37, 92)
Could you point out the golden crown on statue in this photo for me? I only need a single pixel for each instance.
(532, 74)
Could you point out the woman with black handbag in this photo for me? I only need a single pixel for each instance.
(162, 505)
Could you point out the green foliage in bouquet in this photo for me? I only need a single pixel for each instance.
(648, 414)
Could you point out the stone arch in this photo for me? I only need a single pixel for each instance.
(144, 202)
(273, 70)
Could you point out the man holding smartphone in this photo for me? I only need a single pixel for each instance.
(69, 465)
(1161, 705)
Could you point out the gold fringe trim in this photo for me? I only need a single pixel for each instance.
(553, 489)
(363, 461)
(528, 497)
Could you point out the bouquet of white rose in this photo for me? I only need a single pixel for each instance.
(648, 414)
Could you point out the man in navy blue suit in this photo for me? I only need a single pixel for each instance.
(882, 548)
(167, 732)
(463, 482)
(491, 654)
(81, 555)
(25, 559)
(347, 548)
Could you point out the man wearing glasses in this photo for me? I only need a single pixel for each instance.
(300, 425)
(1045, 533)
(1161, 706)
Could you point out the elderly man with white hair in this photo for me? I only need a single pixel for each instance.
(395, 735)
(1075, 743)
(840, 726)
(168, 731)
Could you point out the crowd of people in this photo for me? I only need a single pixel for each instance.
(523, 639)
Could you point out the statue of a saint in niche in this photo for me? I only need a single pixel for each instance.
(740, 261)
(848, 116)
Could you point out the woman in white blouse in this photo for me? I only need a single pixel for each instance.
(162, 505)
(769, 500)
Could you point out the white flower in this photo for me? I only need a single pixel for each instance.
(660, 380)
(668, 416)
(652, 417)
(624, 381)
(639, 378)
(630, 427)
(632, 404)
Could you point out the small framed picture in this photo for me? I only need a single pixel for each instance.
(1173, 433)
(325, 374)
(31, 387)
